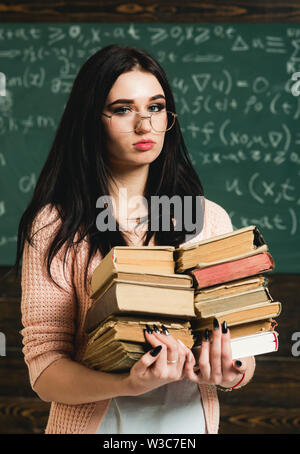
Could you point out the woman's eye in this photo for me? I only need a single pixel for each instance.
(156, 107)
(122, 110)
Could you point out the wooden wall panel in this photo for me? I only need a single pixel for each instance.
(149, 11)
(270, 403)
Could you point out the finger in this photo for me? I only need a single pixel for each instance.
(150, 338)
(175, 352)
(171, 351)
(188, 358)
(191, 372)
(228, 371)
(215, 354)
(203, 362)
(147, 360)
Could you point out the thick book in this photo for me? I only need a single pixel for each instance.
(117, 332)
(220, 248)
(253, 345)
(231, 270)
(241, 330)
(231, 288)
(174, 280)
(148, 259)
(248, 314)
(118, 356)
(141, 298)
(213, 307)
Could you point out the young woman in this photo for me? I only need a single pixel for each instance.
(119, 130)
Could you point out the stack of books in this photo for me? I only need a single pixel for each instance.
(230, 284)
(183, 289)
(133, 287)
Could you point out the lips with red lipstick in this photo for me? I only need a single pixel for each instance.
(145, 144)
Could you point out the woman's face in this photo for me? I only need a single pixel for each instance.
(133, 91)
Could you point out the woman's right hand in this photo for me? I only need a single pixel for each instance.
(155, 368)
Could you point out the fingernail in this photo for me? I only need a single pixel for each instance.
(216, 323)
(156, 350)
(149, 330)
(224, 327)
(206, 334)
(156, 329)
(165, 331)
(238, 363)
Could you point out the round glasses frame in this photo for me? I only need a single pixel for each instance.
(149, 117)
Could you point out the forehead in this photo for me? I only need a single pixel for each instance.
(135, 84)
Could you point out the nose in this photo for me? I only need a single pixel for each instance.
(143, 124)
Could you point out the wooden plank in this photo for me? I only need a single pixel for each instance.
(256, 420)
(145, 11)
(14, 377)
(276, 382)
(269, 404)
(265, 405)
(11, 321)
(283, 287)
(23, 415)
(10, 286)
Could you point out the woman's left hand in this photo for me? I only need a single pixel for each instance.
(215, 360)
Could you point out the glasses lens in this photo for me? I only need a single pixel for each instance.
(123, 122)
(161, 121)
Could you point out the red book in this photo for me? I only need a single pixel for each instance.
(232, 270)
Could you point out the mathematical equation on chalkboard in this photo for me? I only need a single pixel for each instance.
(235, 99)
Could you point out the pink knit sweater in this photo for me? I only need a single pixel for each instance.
(53, 319)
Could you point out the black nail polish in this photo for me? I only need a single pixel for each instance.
(156, 350)
(224, 327)
(216, 323)
(238, 363)
(149, 330)
(165, 331)
(206, 334)
(156, 329)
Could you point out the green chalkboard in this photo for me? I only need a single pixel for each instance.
(233, 91)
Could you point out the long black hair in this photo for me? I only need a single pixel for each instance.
(76, 172)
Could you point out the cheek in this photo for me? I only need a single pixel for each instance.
(112, 138)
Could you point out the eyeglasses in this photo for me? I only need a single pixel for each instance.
(161, 121)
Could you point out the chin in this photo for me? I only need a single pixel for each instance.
(149, 154)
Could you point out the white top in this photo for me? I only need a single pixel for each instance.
(175, 408)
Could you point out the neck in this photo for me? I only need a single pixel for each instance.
(126, 185)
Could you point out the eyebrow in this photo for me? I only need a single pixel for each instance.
(131, 101)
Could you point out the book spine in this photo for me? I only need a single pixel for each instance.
(230, 271)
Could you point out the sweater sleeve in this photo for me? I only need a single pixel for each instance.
(219, 221)
(48, 312)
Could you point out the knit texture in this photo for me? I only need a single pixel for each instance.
(53, 317)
